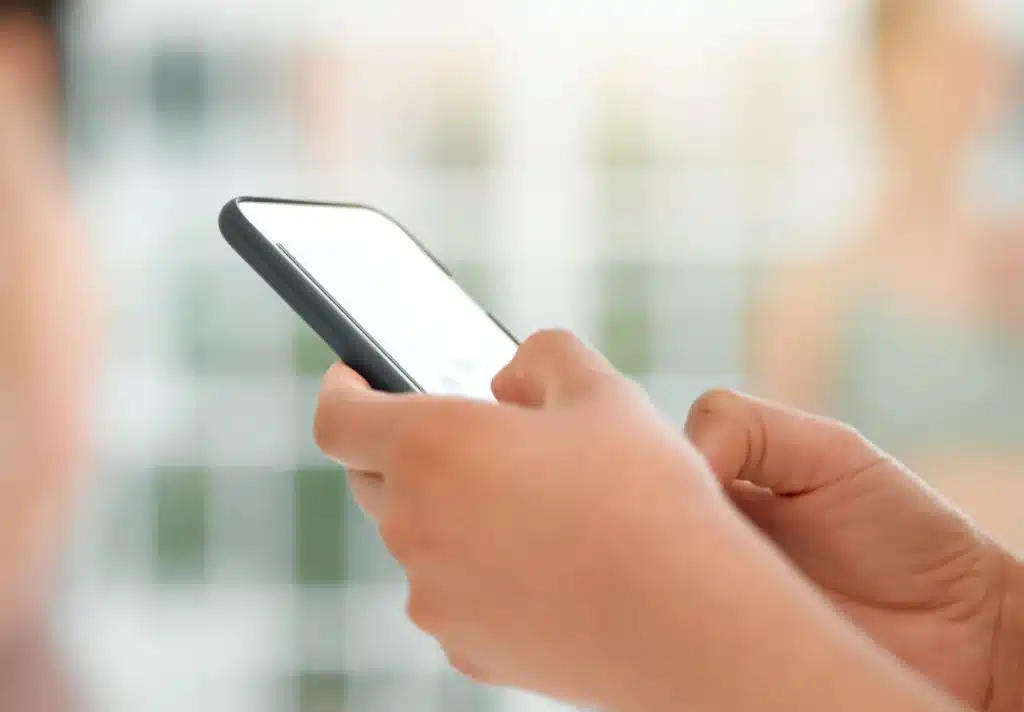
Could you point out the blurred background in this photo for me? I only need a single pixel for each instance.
(715, 194)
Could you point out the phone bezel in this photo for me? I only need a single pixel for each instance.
(317, 307)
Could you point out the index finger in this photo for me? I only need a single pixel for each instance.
(355, 425)
(550, 366)
(397, 434)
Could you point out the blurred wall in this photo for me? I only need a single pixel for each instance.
(628, 169)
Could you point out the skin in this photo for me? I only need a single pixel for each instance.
(567, 540)
(49, 319)
(891, 555)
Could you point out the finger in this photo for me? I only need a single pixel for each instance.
(777, 448)
(759, 505)
(396, 435)
(355, 425)
(370, 492)
(345, 374)
(550, 366)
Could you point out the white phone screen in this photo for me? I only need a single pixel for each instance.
(394, 291)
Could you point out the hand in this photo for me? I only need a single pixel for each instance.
(570, 542)
(898, 561)
(521, 527)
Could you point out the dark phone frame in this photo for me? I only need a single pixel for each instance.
(314, 304)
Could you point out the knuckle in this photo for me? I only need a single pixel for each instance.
(424, 611)
(468, 669)
(324, 426)
(368, 491)
(846, 436)
(400, 538)
(417, 611)
(336, 371)
(550, 339)
(503, 384)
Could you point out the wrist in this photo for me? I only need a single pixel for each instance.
(745, 632)
(1006, 692)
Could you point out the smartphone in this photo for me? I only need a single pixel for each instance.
(373, 293)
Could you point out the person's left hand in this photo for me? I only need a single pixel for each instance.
(898, 561)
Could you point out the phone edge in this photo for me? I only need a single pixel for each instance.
(322, 314)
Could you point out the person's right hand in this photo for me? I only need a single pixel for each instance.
(899, 562)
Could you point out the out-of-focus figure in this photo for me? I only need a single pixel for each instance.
(908, 334)
(48, 317)
(35, 677)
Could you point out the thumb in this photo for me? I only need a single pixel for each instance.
(774, 447)
(550, 366)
